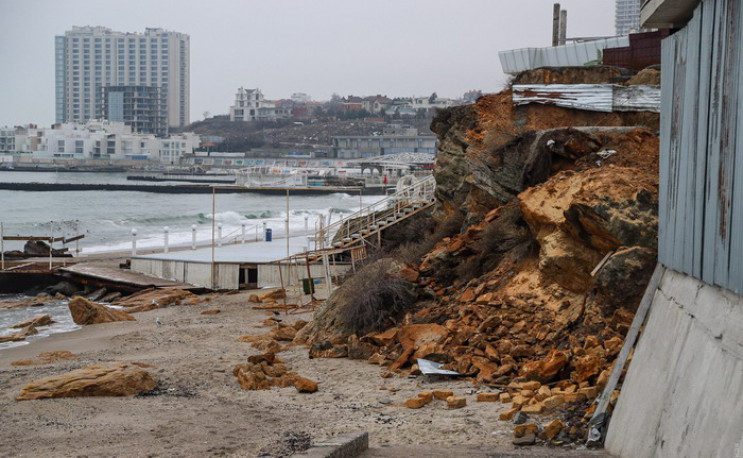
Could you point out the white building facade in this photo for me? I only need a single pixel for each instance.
(88, 59)
(96, 140)
(250, 105)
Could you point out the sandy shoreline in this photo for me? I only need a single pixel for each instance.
(202, 411)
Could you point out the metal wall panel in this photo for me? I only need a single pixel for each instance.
(701, 208)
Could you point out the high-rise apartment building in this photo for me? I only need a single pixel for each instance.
(627, 17)
(91, 59)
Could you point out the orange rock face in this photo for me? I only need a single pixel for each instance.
(105, 379)
(84, 311)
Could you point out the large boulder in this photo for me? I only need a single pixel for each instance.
(105, 379)
(84, 311)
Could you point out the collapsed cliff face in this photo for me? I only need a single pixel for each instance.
(558, 214)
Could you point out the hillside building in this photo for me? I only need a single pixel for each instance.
(395, 138)
(90, 59)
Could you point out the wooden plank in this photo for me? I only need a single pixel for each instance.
(31, 238)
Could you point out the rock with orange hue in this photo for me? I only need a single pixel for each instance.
(442, 394)
(426, 396)
(415, 403)
(19, 335)
(105, 379)
(456, 402)
(46, 357)
(545, 369)
(523, 430)
(613, 346)
(586, 367)
(84, 311)
(410, 275)
(38, 320)
(413, 336)
(508, 414)
(305, 385)
(551, 429)
(487, 397)
(153, 298)
(283, 332)
(211, 312)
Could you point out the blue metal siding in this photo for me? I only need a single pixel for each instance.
(701, 208)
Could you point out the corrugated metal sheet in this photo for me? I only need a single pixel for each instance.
(569, 55)
(701, 208)
(593, 97)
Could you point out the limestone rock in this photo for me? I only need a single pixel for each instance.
(545, 369)
(38, 320)
(211, 312)
(456, 402)
(305, 385)
(153, 298)
(46, 357)
(105, 379)
(19, 335)
(85, 312)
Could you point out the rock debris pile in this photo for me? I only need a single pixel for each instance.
(556, 211)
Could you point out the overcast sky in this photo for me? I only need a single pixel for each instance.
(360, 47)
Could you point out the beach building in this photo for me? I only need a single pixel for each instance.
(260, 264)
(90, 59)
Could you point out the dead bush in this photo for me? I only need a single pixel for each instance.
(374, 297)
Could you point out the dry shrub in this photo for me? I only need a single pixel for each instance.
(373, 297)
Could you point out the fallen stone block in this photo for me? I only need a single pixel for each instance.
(105, 379)
(38, 320)
(551, 429)
(505, 398)
(442, 394)
(508, 414)
(305, 385)
(554, 401)
(426, 396)
(415, 403)
(523, 430)
(456, 402)
(487, 397)
(533, 408)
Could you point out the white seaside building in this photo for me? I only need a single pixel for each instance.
(96, 140)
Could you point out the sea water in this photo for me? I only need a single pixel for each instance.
(107, 218)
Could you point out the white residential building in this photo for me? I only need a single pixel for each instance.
(251, 105)
(98, 140)
(89, 59)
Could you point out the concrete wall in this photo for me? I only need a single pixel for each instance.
(683, 392)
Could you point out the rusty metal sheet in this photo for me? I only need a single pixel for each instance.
(594, 97)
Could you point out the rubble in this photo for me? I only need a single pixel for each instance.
(536, 290)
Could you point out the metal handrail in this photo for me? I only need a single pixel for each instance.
(419, 192)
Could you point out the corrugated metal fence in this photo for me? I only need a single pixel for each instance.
(701, 175)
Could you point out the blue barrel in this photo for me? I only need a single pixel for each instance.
(269, 235)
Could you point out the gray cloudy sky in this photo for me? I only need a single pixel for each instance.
(360, 47)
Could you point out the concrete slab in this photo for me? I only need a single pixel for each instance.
(252, 252)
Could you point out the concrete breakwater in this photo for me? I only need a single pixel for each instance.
(187, 188)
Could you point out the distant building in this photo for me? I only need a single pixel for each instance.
(395, 138)
(142, 108)
(89, 59)
(250, 105)
(301, 97)
(96, 140)
(627, 17)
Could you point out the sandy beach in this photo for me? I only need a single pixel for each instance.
(199, 409)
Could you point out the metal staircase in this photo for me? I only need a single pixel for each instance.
(412, 197)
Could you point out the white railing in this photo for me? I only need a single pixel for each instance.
(420, 191)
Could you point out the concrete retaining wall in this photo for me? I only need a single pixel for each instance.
(683, 393)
